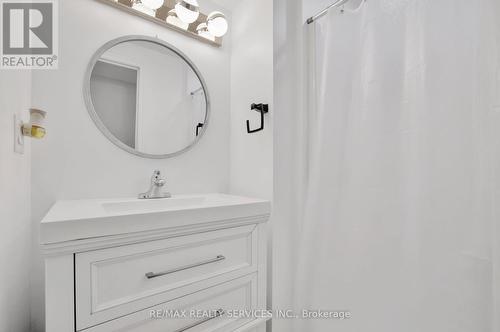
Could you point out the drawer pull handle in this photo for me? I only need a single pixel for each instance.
(218, 313)
(151, 275)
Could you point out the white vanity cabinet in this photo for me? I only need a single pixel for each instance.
(173, 265)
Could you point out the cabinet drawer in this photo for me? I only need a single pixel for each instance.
(211, 306)
(115, 282)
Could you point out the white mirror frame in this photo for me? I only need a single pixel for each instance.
(97, 120)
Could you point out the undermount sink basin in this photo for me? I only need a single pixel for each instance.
(153, 204)
(86, 219)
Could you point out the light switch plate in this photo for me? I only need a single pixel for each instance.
(18, 135)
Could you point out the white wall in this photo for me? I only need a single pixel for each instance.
(252, 82)
(76, 161)
(15, 228)
(289, 91)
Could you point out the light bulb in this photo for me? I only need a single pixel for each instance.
(139, 6)
(202, 31)
(153, 4)
(217, 24)
(173, 19)
(187, 11)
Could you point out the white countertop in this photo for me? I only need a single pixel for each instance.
(84, 219)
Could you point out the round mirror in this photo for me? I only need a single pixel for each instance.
(146, 97)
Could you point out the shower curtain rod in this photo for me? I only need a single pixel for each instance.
(324, 11)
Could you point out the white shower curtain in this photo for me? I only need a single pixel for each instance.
(401, 211)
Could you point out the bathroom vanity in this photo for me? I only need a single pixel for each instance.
(157, 263)
(186, 263)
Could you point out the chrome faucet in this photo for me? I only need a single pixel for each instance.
(156, 189)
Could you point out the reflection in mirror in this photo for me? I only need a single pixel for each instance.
(148, 98)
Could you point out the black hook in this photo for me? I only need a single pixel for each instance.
(262, 109)
(200, 125)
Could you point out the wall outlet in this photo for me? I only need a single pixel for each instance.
(18, 135)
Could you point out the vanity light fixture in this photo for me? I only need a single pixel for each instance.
(173, 19)
(187, 10)
(183, 16)
(153, 4)
(141, 7)
(202, 30)
(217, 24)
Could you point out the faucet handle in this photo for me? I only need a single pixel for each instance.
(156, 179)
(155, 190)
(156, 175)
